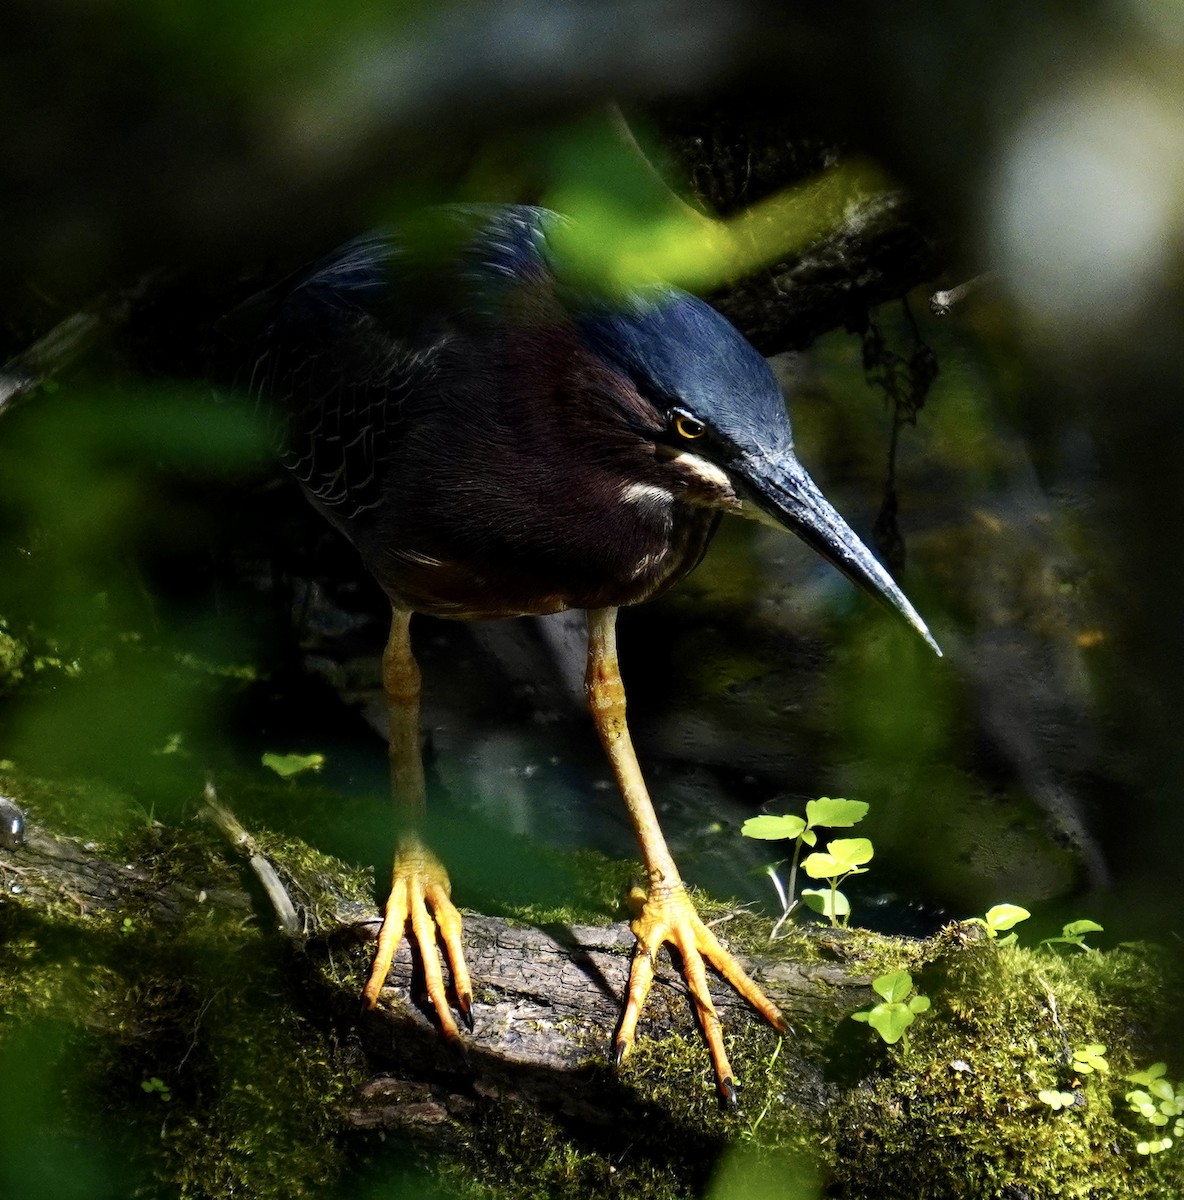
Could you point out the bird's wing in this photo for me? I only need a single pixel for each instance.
(343, 343)
(338, 349)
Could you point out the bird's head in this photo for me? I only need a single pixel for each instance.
(718, 421)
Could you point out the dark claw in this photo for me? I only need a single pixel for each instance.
(466, 1010)
(619, 1052)
(459, 1046)
(728, 1088)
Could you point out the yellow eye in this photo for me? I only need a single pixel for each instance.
(687, 427)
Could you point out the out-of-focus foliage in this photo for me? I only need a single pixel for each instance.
(619, 239)
(102, 508)
(745, 1174)
(41, 1154)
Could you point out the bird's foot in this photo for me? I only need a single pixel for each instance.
(668, 915)
(420, 906)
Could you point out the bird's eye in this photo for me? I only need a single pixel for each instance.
(686, 426)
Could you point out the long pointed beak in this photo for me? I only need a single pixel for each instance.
(782, 490)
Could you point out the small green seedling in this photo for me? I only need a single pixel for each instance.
(1085, 1060)
(999, 919)
(158, 1086)
(1073, 934)
(1159, 1102)
(1090, 1058)
(892, 1018)
(288, 766)
(827, 811)
(841, 858)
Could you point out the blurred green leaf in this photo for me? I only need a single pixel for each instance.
(254, 48)
(628, 231)
(288, 766)
(1155, 1071)
(745, 1173)
(44, 1150)
(88, 475)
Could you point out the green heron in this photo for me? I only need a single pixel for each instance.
(499, 439)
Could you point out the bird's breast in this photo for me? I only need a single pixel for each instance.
(589, 547)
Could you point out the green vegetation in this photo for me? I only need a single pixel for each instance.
(892, 1017)
(215, 1031)
(1159, 1102)
(983, 1096)
(1014, 1033)
(1073, 934)
(841, 859)
(1000, 918)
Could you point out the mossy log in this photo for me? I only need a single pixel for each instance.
(169, 955)
(546, 999)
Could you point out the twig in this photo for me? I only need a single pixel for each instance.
(201, 1012)
(940, 303)
(1056, 1020)
(67, 342)
(242, 841)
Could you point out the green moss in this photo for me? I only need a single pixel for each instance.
(172, 1029)
(320, 881)
(953, 1111)
(245, 1094)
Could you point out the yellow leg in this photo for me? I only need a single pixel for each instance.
(667, 915)
(419, 901)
